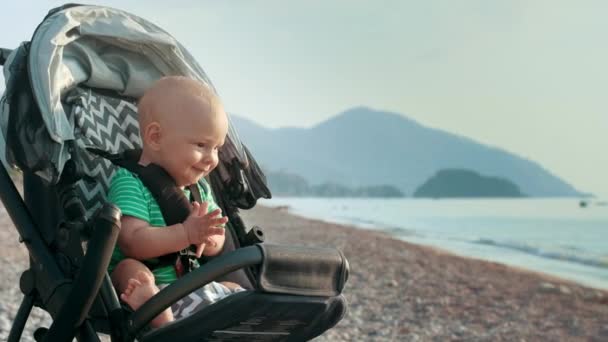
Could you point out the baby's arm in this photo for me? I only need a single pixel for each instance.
(214, 245)
(138, 240)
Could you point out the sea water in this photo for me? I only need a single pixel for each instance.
(555, 236)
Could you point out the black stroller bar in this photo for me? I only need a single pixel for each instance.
(240, 258)
(87, 283)
(4, 55)
(24, 223)
(77, 297)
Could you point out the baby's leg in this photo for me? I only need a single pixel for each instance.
(141, 288)
(231, 285)
(135, 283)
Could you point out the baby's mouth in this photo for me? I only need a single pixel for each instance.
(200, 171)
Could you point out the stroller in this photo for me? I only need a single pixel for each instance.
(72, 90)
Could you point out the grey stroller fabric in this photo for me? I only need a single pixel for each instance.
(201, 298)
(95, 47)
(104, 123)
(77, 52)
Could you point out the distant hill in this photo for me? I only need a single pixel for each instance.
(466, 183)
(286, 184)
(365, 147)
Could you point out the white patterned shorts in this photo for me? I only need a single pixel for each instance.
(200, 298)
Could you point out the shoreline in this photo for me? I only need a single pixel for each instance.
(401, 291)
(367, 227)
(590, 270)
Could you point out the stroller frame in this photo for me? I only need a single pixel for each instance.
(298, 288)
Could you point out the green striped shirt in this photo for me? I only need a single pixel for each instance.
(129, 194)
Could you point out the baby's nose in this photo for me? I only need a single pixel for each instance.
(208, 158)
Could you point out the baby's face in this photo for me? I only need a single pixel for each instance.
(190, 144)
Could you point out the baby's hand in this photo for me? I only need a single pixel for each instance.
(200, 249)
(200, 225)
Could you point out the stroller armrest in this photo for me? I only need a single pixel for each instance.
(304, 271)
(242, 257)
(291, 270)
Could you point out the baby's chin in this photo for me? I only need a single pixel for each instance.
(196, 178)
(186, 181)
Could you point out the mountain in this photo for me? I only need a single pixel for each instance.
(366, 147)
(286, 184)
(466, 183)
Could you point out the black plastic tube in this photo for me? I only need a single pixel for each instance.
(19, 322)
(114, 309)
(92, 272)
(108, 294)
(86, 333)
(48, 270)
(242, 257)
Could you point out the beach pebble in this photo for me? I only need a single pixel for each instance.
(563, 289)
(5, 325)
(548, 288)
(461, 330)
(590, 295)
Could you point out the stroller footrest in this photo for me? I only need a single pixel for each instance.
(255, 316)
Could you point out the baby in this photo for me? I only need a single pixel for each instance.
(182, 126)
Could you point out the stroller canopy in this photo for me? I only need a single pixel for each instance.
(97, 47)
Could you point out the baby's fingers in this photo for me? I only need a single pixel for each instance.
(202, 210)
(218, 221)
(194, 208)
(199, 249)
(211, 242)
(216, 231)
(214, 213)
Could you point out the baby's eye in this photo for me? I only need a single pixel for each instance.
(201, 145)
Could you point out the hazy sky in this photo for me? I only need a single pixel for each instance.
(527, 76)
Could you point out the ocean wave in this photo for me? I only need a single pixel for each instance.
(373, 224)
(600, 262)
(360, 221)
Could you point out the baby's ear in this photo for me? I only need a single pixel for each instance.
(151, 135)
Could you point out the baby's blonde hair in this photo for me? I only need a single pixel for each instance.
(164, 95)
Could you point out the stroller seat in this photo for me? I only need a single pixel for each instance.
(73, 89)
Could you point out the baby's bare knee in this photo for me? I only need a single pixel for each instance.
(231, 285)
(127, 269)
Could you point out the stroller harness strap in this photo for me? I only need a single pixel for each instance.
(172, 201)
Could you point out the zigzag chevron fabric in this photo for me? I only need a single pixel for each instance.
(106, 123)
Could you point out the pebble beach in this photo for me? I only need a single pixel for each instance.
(398, 291)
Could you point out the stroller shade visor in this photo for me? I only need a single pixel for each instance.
(99, 48)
